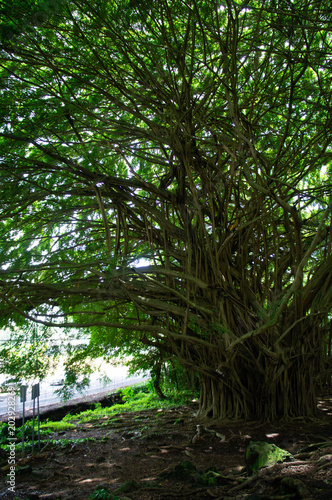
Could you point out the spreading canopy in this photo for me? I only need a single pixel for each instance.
(193, 134)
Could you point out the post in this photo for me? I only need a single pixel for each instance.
(23, 398)
(38, 419)
(34, 395)
(33, 426)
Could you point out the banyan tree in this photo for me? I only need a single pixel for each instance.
(195, 135)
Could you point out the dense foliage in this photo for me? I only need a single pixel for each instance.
(195, 135)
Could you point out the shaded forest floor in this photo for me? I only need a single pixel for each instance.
(158, 454)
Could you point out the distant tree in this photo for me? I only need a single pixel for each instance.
(196, 135)
(26, 357)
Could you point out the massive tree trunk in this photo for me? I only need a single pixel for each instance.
(292, 395)
(266, 371)
(283, 386)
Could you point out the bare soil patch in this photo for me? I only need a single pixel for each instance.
(158, 454)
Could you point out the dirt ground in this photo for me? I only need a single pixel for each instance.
(161, 455)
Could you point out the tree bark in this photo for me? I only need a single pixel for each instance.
(156, 377)
(281, 388)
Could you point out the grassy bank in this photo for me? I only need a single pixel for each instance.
(134, 398)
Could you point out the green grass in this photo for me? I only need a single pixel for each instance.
(136, 398)
(57, 426)
(46, 428)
